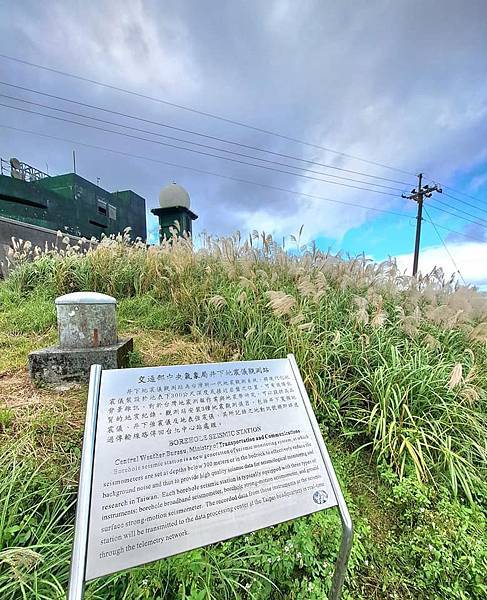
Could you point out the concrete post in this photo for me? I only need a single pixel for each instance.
(86, 320)
(87, 329)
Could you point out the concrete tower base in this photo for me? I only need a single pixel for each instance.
(56, 365)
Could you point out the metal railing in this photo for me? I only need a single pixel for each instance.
(4, 167)
(19, 170)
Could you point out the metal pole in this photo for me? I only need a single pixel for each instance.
(74, 162)
(347, 525)
(419, 219)
(78, 559)
(343, 554)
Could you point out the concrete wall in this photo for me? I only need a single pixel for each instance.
(37, 235)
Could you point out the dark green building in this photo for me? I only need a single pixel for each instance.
(34, 207)
(73, 205)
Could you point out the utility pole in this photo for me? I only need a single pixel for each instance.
(418, 196)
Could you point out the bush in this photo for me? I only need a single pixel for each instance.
(440, 548)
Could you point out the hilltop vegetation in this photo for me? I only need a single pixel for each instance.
(395, 368)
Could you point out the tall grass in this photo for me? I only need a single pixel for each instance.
(395, 364)
(35, 527)
(36, 535)
(395, 367)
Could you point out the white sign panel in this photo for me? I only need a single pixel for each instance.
(190, 455)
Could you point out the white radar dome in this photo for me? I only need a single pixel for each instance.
(173, 195)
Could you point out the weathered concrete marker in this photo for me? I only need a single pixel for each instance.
(87, 328)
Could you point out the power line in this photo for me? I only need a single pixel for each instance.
(274, 162)
(464, 194)
(447, 187)
(460, 192)
(457, 216)
(465, 202)
(195, 169)
(446, 247)
(436, 199)
(235, 160)
(418, 195)
(237, 179)
(192, 132)
(199, 112)
(465, 235)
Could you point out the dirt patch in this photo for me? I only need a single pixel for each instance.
(160, 348)
(27, 401)
(55, 417)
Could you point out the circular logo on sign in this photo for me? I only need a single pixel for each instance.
(320, 496)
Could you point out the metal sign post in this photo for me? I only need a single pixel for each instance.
(347, 526)
(175, 458)
(80, 545)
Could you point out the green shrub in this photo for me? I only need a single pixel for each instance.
(440, 545)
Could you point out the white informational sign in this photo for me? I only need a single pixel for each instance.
(189, 455)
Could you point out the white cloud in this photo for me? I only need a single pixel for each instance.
(127, 45)
(470, 257)
(342, 76)
(373, 102)
(477, 182)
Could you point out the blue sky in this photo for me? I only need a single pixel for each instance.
(348, 77)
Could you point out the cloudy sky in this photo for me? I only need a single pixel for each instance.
(381, 88)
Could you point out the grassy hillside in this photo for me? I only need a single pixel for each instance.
(396, 370)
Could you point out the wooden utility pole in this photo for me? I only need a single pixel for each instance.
(418, 196)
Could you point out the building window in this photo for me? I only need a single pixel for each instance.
(112, 212)
(103, 225)
(102, 207)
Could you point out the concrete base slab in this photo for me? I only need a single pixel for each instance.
(58, 365)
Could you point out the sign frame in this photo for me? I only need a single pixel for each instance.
(82, 520)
